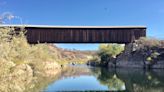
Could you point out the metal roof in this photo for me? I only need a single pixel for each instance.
(57, 26)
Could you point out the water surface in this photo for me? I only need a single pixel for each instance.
(85, 78)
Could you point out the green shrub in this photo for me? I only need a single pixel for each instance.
(107, 51)
(110, 49)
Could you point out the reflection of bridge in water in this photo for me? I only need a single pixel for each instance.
(81, 34)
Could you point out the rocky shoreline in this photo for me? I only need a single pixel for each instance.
(23, 77)
(144, 53)
(131, 58)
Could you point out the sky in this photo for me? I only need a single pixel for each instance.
(148, 13)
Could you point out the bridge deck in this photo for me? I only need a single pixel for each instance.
(82, 34)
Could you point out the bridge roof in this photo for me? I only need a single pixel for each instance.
(57, 26)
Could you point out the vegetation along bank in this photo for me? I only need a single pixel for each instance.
(144, 53)
(25, 67)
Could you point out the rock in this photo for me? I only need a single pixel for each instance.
(112, 63)
(51, 68)
(136, 57)
(91, 63)
(18, 80)
(129, 58)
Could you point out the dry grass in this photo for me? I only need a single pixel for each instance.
(149, 42)
(16, 55)
(15, 48)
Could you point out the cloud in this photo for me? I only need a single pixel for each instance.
(8, 17)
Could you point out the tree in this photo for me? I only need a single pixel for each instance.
(107, 51)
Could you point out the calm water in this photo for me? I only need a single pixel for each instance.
(84, 78)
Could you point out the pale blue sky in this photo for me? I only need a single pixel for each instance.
(148, 13)
(79, 46)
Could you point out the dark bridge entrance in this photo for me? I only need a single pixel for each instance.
(83, 34)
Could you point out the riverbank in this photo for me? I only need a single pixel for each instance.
(144, 53)
(21, 63)
(25, 66)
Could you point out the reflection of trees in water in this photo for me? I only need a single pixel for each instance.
(109, 79)
(135, 80)
(75, 71)
(41, 82)
(71, 71)
(138, 80)
(114, 83)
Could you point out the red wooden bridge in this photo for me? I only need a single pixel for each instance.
(81, 34)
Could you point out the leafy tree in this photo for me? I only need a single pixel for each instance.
(107, 51)
(110, 49)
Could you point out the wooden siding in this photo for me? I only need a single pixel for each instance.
(83, 35)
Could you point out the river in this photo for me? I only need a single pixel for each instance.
(86, 78)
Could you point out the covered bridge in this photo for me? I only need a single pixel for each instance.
(82, 34)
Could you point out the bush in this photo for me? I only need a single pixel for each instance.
(15, 48)
(107, 51)
(148, 42)
(151, 48)
(111, 50)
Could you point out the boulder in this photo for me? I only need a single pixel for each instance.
(51, 68)
(130, 58)
(136, 57)
(112, 63)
